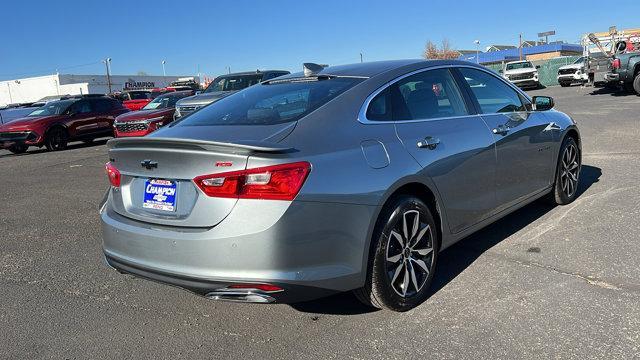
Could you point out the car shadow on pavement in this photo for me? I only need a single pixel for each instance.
(612, 91)
(459, 256)
(75, 145)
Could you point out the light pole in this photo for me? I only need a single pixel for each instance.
(107, 63)
(477, 42)
(164, 73)
(360, 57)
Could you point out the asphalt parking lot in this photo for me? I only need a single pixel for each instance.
(544, 282)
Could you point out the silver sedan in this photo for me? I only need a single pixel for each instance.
(334, 179)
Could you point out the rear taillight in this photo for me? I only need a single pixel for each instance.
(278, 182)
(113, 174)
(616, 64)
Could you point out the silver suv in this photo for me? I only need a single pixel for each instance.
(223, 86)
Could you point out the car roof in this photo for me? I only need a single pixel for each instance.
(371, 69)
(517, 61)
(176, 93)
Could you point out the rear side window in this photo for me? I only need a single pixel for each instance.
(81, 107)
(427, 95)
(493, 95)
(271, 103)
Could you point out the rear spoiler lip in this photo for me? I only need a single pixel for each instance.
(246, 145)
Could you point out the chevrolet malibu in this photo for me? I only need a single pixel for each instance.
(345, 178)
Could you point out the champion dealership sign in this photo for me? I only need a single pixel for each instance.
(131, 84)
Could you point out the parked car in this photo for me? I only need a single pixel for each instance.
(137, 99)
(224, 86)
(352, 177)
(521, 73)
(59, 122)
(625, 70)
(573, 73)
(157, 113)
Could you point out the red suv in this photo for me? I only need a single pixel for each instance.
(58, 122)
(154, 115)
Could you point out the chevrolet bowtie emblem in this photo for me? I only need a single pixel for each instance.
(148, 164)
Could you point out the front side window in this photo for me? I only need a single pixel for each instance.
(271, 103)
(493, 95)
(427, 95)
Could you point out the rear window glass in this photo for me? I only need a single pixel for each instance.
(267, 104)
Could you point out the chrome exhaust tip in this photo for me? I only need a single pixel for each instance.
(240, 296)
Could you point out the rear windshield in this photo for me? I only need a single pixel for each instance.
(274, 103)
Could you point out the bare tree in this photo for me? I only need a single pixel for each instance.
(431, 51)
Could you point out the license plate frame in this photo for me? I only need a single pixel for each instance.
(160, 195)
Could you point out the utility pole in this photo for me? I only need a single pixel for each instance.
(360, 57)
(228, 69)
(477, 42)
(520, 47)
(164, 73)
(107, 62)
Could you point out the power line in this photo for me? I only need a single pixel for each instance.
(51, 70)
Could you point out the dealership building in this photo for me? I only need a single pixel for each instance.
(35, 88)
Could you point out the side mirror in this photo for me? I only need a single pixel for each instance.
(537, 66)
(543, 103)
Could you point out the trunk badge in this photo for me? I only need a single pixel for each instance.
(148, 164)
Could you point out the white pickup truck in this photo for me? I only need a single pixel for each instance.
(521, 73)
(573, 73)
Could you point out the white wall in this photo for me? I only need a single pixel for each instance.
(35, 88)
(28, 90)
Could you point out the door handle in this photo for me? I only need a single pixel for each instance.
(429, 142)
(552, 126)
(501, 130)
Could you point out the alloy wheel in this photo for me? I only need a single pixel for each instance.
(409, 254)
(570, 170)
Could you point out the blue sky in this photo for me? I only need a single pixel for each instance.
(39, 37)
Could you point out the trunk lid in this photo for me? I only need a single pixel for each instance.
(178, 160)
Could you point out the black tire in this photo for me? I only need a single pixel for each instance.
(636, 84)
(19, 148)
(56, 139)
(567, 180)
(565, 84)
(397, 265)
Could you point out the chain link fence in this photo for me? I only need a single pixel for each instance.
(548, 71)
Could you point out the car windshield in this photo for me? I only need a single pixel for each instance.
(163, 102)
(271, 103)
(580, 60)
(52, 108)
(140, 95)
(519, 65)
(233, 83)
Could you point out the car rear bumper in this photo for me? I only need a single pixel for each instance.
(611, 77)
(310, 249)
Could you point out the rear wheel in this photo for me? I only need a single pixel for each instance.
(19, 148)
(567, 179)
(56, 139)
(636, 83)
(565, 84)
(403, 261)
